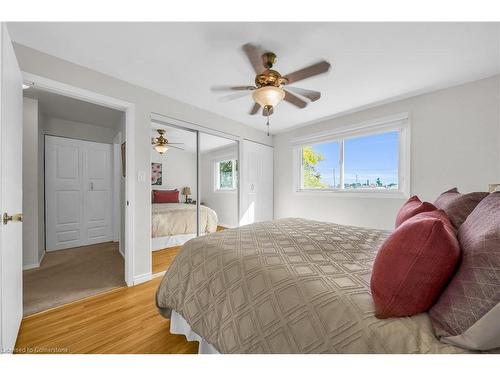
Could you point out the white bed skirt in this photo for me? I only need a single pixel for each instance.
(179, 326)
(158, 243)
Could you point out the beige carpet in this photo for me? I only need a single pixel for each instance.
(69, 275)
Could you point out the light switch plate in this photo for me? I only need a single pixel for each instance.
(141, 177)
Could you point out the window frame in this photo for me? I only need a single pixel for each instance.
(399, 123)
(217, 187)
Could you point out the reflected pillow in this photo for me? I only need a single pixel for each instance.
(165, 196)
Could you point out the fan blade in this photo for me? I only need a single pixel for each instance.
(178, 148)
(266, 113)
(231, 88)
(254, 109)
(254, 54)
(175, 143)
(312, 70)
(295, 100)
(238, 95)
(309, 94)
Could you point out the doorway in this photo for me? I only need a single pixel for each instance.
(73, 225)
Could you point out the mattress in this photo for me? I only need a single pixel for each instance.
(169, 219)
(288, 286)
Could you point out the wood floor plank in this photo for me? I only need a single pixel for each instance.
(121, 321)
(161, 259)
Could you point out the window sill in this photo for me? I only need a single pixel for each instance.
(225, 191)
(355, 193)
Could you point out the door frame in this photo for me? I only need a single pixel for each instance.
(129, 110)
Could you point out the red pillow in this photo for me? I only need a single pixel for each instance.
(165, 196)
(413, 265)
(412, 207)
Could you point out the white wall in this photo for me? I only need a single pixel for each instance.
(454, 135)
(224, 203)
(146, 102)
(78, 130)
(178, 170)
(31, 250)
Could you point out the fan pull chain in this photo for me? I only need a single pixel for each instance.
(268, 125)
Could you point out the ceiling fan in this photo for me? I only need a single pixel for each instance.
(161, 144)
(270, 86)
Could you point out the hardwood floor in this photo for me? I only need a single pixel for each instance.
(161, 259)
(124, 320)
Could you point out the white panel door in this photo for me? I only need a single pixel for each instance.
(77, 193)
(256, 183)
(98, 207)
(11, 148)
(63, 193)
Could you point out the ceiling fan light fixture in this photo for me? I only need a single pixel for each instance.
(161, 148)
(268, 96)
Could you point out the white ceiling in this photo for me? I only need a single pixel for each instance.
(70, 109)
(371, 62)
(208, 142)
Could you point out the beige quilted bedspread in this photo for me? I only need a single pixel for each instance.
(179, 218)
(288, 286)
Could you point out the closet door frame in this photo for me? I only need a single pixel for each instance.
(248, 184)
(199, 129)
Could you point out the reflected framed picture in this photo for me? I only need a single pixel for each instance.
(156, 174)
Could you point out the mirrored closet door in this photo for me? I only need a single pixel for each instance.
(200, 186)
(218, 183)
(174, 158)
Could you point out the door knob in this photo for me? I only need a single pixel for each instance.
(16, 217)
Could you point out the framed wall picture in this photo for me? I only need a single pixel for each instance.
(156, 174)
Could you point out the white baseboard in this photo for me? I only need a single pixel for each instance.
(31, 266)
(34, 265)
(41, 258)
(142, 278)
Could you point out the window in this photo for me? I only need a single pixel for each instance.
(226, 175)
(368, 160)
(371, 162)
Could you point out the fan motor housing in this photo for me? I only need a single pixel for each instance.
(269, 78)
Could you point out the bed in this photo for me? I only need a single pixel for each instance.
(286, 286)
(175, 223)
